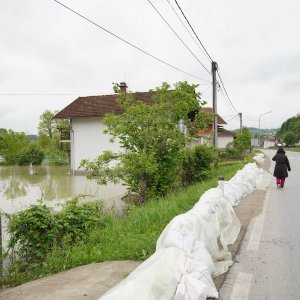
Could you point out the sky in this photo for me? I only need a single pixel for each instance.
(50, 56)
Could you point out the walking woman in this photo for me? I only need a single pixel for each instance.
(281, 167)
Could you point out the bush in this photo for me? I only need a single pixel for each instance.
(75, 221)
(31, 155)
(230, 154)
(57, 158)
(196, 164)
(32, 231)
(37, 230)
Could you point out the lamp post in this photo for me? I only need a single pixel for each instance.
(258, 136)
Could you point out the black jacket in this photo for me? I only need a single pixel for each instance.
(282, 165)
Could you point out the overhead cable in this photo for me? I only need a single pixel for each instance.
(178, 36)
(125, 41)
(218, 72)
(42, 94)
(226, 101)
(193, 30)
(231, 118)
(193, 38)
(207, 54)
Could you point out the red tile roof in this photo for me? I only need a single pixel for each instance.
(98, 106)
(220, 120)
(224, 132)
(92, 106)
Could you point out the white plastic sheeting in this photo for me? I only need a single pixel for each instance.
(170, 273)
(192, 247)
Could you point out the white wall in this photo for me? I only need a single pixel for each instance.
(224, 140)
(88, 140)
(268, 144)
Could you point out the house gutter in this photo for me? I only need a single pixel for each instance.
(72, 149)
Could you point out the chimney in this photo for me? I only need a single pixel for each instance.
(123, 87)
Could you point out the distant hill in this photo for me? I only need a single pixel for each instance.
(254, 131)
(31, 137)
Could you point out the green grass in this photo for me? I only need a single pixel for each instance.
(132, 237)
(293, 149)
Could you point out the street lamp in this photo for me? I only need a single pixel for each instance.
(258, 136)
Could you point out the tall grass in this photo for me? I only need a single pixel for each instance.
(132, 237)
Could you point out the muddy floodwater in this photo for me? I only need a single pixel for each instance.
(22, 186)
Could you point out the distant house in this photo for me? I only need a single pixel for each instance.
(87, 139)
(268, 143)
(224, 136)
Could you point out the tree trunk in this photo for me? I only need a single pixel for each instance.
(143, 188)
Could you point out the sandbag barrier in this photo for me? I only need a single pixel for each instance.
(193, 246)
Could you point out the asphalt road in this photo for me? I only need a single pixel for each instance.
(268, 263)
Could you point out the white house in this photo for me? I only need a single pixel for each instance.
(269, 143)
(87, 140)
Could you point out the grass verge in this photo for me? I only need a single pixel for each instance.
(132, 237)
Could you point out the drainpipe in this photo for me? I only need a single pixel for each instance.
(72, 149)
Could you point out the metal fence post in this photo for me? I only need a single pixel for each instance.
(221, 185)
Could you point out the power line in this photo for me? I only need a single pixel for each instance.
(42, 94)
(226, 101)
(187, 29)
(225, 90)
(231, 118)
(193, 30)
(177, 36)
(125, 41)
(203, 92)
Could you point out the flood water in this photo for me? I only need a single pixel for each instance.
(21, 186)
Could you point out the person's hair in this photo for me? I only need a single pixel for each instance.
(280, 150)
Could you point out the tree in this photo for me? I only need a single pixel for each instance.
(152, 140)
(296, 128)
(11, 145)
(242, 141)
(49, 126)
(31, 155)
(2, 132)
(290, 125)
(290, 138)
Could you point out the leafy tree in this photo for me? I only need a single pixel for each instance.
(11, 144)
(152, 140)
(49, 126)
(290, 125)
(242, 141)
(54, 153)
(31, 155)
(290, 138)
(296, 128)
(196, 163)
(2, 132)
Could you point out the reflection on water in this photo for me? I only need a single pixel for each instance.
(54, 184)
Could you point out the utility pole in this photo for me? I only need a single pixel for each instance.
(241, 123)
(214, 68)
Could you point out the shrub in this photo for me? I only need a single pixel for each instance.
(196, 164)
(75, 221)
(32, 231)
(56, 158)
(36, 230)
(31, 155)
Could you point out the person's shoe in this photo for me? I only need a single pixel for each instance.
(282, 186)
(278, 186)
